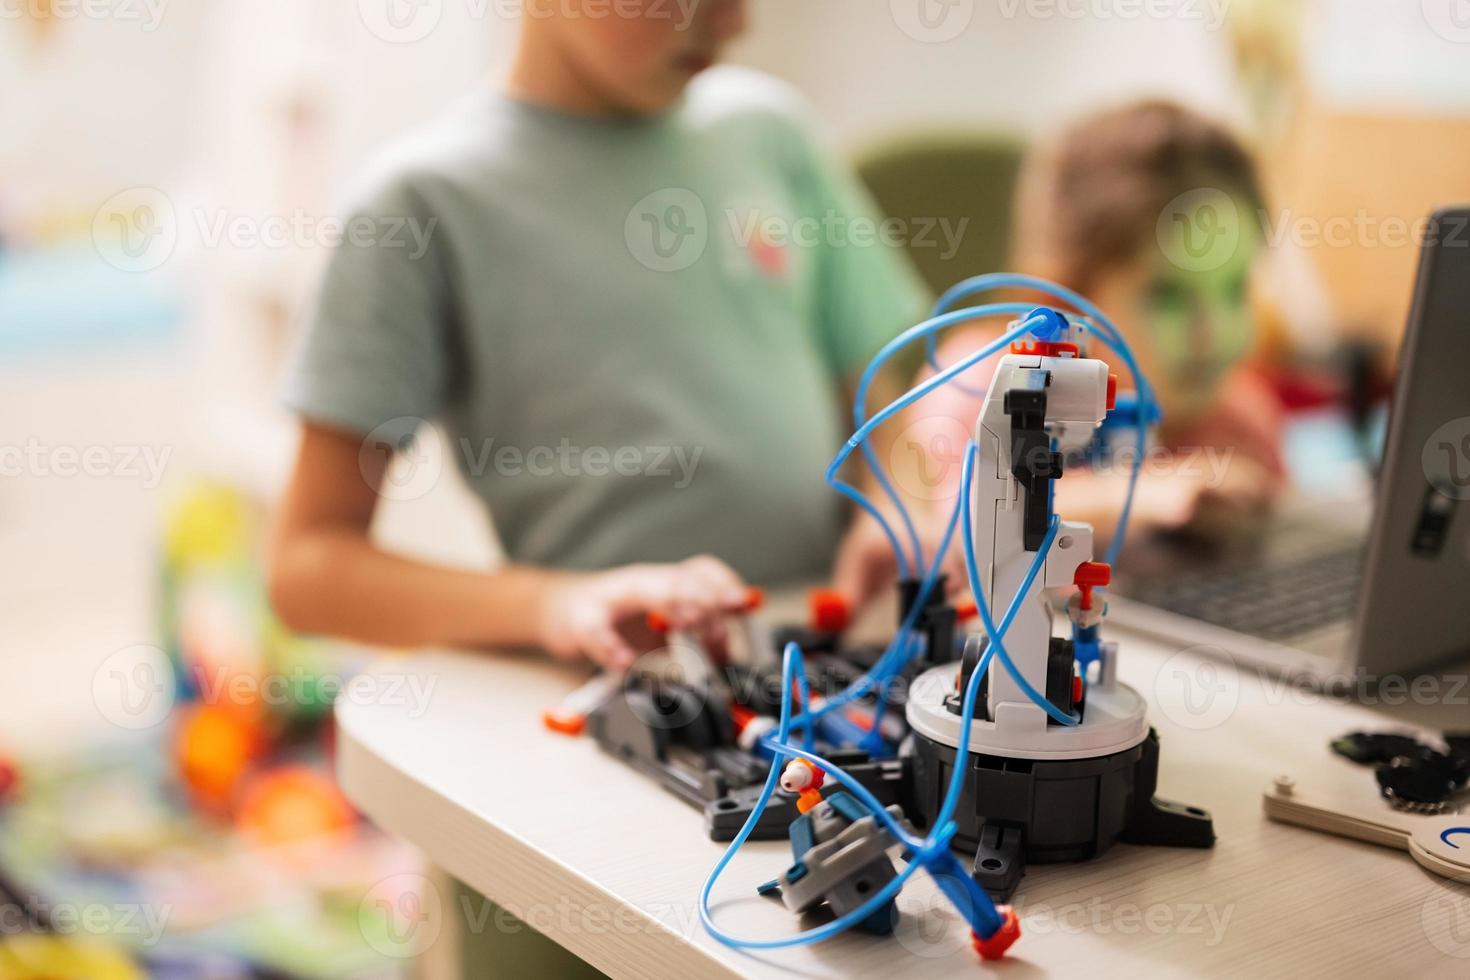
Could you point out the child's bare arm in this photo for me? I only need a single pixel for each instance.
(326, 576)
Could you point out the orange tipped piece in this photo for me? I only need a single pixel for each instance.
(565, 722)
(1010, 930)
(827, 611)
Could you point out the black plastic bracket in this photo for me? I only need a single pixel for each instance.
(1032, 460)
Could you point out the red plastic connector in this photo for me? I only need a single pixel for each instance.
(754, 599)
(1045, 348)
(1090, 575)
(827, 611)
(804, 779)
(1010, 930)
(1112, 391)
(565, 722)
(966, 610)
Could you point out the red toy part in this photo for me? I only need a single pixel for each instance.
(966, 609)
(1045, 348)
(9, 780)
(804, 779)
(1112, 391)
(754, 598)
(827, 611)
(742, 716)
(1010, 930)
(1091, 575)
(565, 722)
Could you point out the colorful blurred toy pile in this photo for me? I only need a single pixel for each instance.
(220, 846)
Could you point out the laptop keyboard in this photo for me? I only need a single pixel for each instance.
(1277, 601)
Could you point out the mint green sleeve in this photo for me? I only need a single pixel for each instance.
(867, 289)
(374, 356)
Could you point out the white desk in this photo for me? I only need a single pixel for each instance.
(610, 865)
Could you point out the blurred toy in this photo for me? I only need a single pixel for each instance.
(9, 780)
(36, 956)
(1412, 776)
(213, 748)
(292, 805)
(218, 627)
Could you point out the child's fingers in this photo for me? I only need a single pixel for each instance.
(605, 646)
(715, 637)
(721, 586)
(862, 566)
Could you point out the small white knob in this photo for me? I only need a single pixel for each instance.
(796, 777)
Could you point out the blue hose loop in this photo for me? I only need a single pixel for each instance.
(932, 852)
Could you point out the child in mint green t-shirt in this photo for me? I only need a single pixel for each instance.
(633, 289)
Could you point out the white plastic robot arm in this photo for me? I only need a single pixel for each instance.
(1037, 404)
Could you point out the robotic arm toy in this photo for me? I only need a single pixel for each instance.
(1052, 756)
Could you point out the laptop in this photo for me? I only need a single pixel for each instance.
(1335, 590)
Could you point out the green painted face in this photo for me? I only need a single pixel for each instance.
(1196, 315)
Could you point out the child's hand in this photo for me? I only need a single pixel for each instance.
(1239, 503)
(601, 615)
(866, 565)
